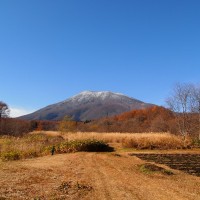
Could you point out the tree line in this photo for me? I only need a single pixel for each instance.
(181, 116)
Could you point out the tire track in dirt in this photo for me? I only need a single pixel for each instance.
(123, 180)
(108, 180)
(97, 178)
(111, 178)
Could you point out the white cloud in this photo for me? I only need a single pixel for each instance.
(16, 112)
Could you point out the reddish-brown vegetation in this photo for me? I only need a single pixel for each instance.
(153, 119)
(16, 127)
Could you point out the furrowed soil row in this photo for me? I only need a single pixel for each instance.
(189, 163)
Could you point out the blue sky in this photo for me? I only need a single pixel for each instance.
(51, 50)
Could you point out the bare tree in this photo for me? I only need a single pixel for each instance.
(180, 102)
(4, 110)
(196, 104)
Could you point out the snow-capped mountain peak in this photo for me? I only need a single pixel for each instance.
(95, 95)
(88, 105)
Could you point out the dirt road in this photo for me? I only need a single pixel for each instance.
(95, 176)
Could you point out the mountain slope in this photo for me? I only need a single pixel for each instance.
(88, 105)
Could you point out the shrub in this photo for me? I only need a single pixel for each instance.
(12, 155)
(151, 168)
(28, 146)
(196, 143)
(82, 145)
(30, 154)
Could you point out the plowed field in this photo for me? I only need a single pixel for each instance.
(189, 163)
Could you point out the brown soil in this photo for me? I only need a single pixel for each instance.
(92, 176)
(189, 163)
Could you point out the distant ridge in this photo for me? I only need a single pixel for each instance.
(88, 105)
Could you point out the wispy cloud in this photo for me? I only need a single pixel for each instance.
(16, 112)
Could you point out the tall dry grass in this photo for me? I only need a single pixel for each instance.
(36, 143)
(31, 145)
(135, 140)
(41, 143)
(132, 140)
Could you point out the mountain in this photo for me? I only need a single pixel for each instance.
(88, 105)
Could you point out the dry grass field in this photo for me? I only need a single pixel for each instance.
(130, 140)
(97, 176)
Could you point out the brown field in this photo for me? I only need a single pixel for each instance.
(98, 176)
(187, 162)
(129, 140)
